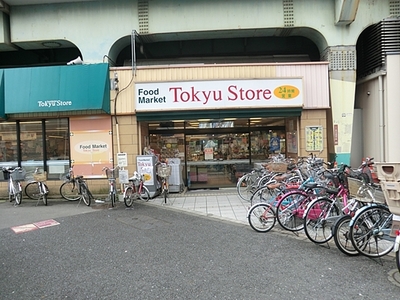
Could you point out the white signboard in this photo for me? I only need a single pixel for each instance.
(145, 167)
(123, 176)
(122, 159)
(282, 92)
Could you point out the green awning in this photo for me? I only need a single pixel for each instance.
(57, 89)
(217, 114)
(2, 113)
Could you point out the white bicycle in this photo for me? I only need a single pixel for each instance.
(15, 176)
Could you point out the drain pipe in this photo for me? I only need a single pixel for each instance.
(381, 119)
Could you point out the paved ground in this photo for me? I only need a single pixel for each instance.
(161, 251)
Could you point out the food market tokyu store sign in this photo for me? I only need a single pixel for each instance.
(282, 92)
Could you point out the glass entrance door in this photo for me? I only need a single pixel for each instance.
(213, 159)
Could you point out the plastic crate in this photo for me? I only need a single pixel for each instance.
(391, 190)
(388, 171)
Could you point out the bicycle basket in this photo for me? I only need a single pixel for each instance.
(136, 178)
(18, 174)
(112, 174)
(164, 170)
(363, 192)
(40, 176)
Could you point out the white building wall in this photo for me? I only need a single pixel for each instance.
(94, 26)
(368, 101)
(392, 110)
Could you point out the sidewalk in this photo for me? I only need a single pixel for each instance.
(223, 203)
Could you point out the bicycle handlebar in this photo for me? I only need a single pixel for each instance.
(11, 169)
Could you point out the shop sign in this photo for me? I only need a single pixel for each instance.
(91, 145)
(145, 167)
(283, 92)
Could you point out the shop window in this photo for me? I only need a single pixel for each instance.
(32, 149)
(267, 143)
(31, 141)
(8, 145)
(57, 147)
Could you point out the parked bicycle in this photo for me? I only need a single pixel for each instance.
(361, 193)
(370, 230)
(69, 189)
(164, 171)
(37, 188)
(83, 190)
(322, 214)
(261, 217)
(112, 175)
(15, 176)
(135, 189)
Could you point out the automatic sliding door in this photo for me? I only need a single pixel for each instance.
(213, 159)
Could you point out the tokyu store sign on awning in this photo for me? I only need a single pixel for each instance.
(57, 89)
(263, 93)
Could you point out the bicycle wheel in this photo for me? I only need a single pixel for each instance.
(246, 186)
(112, 198)
(370, 231)
(290, 209)
(44, 199)
(69, 191)
(341, 235)
(319, 218)
(128, 197)
(85, 194)
(264, 195)
(165, 191)
(144, 194)
(18, 198)
(45, 192)
(32, 190)
(261, 217)
(397, 254)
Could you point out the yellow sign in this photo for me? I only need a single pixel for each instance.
(314, 138)
(286, 92)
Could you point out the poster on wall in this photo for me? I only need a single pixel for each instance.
(314, 138)
(91, 145)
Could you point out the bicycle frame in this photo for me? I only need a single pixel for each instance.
(112, 181)
(362, 209)
(342, 193)
(14, 187)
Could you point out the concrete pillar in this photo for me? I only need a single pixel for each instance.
(342, 80)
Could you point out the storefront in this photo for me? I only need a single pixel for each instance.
(223, 127)
(55, 116)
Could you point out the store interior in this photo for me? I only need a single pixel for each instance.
(215, 153)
